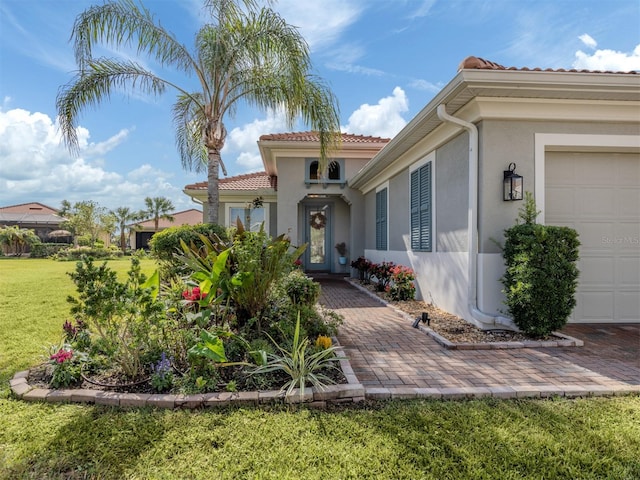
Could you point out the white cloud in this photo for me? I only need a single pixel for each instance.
(244, 140)
(36, 166)
(382, 119)
(320, 23)
(588, 40)
(425, 85)
(608, 60)
(423, 9)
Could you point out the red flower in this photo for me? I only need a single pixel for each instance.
(193, 295)
(62, 356)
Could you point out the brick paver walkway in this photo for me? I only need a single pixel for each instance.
(392, 359)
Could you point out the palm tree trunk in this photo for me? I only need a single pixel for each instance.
(213, 194)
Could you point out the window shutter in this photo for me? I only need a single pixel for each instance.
(381, 219)
(421, 208)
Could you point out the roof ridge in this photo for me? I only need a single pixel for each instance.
(312, 135)
(479, 63)
(29, 203)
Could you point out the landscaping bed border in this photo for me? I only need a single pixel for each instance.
(563, 340)
(349, 392)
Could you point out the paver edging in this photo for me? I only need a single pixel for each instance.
(564, 340)
(350, 392)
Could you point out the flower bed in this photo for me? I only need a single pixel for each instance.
(243, 319)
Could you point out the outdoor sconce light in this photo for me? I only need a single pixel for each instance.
(424, 319)
(513, 184)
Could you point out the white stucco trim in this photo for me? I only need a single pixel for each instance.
(545, 142)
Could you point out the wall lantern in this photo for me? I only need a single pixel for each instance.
(513, 184)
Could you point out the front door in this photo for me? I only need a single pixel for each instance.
(317, 236)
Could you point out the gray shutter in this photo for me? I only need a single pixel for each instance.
(415, 209)
(421, 208)
(381, 219)
(425, 207)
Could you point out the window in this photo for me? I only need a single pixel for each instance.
(334, 173)
(381, 219)
(421, 208)
(250, 217)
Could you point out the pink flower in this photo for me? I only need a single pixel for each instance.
(194, 295)
(62, 356)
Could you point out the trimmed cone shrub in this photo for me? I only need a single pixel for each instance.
(541, 274)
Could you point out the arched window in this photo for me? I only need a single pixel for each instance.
(334, 171)
(313, 170)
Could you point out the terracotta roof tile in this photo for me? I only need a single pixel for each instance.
(477, 63)
(313, 137)
(248, 181)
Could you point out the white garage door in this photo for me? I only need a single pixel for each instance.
(598, 194)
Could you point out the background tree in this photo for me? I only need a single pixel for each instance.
(85, 218)
(123, 216)
(246, 54)
(17, 239)
(158, 208)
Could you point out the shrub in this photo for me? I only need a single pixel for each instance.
(541, 274)
(75, 254)
(301, 289)
(163, 245)
(363, 266)
(124, 316)
(45, 250)
(402, 287)
(382, 273)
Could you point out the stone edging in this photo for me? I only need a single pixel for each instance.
(350, 392)
(564, 340)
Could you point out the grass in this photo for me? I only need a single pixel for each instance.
(584, 438)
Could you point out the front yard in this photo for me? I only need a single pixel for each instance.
(557, 438)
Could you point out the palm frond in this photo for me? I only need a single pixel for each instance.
(97, 83)
(127, 23)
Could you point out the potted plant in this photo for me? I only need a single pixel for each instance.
(342, 252)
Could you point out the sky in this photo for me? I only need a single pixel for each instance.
(383, 59)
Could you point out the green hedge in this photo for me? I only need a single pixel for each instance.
(45, 250)
(541, 276)
(163, 245)
(95, 253)
(167, 242)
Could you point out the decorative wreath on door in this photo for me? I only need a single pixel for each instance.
(318, 221)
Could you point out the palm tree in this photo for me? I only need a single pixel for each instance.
(17, 239)
(123, 216)
(157, 208)
(248, 54)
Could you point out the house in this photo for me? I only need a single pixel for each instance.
(294, 199)
(35, 216)
(145, 230)
(434, 197)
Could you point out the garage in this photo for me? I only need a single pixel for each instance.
(598, 194)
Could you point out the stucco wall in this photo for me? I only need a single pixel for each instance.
(452, 195)
(503, 142)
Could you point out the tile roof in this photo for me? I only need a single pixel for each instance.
(477, 63)
(313, 137)
(31, 207)
(248, 181)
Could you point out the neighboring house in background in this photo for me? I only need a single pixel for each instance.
(433, 197)
(141, 232)
(35, 216)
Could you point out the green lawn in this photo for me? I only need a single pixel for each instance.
(584, 438)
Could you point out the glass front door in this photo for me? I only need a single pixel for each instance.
(318, 253)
